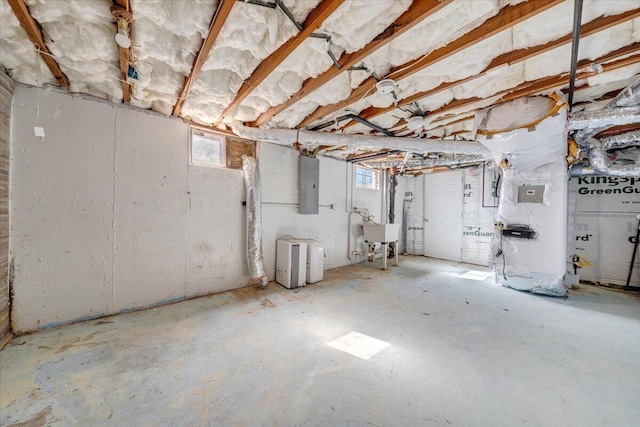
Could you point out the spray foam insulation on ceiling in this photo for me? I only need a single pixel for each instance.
(80, 35)
(17, 54)
(249, 35)
(167, 35)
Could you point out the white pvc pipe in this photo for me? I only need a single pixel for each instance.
(414, 145)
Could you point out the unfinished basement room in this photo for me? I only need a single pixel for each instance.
(320, 213)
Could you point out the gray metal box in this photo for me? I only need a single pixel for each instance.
(531, 194)
(309, 185)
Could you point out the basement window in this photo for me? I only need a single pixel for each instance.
(366, 178)
(207, 149)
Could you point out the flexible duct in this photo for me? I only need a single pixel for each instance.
(623, 109)
(620, 141)
(290, 136)
(594, 121)
(600, 162)
(254, 222)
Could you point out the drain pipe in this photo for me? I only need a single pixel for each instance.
(257, 276)
(287, 137)
(393, 183)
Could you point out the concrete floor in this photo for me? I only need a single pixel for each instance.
(462, 352)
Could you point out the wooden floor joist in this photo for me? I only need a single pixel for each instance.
(629, 55)
(34, 31)
(509, 58)
(219, 18)
(506, 18)
(416, 13)
(313, 22)
(124, 55)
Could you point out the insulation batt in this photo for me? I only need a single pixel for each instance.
(80, 35)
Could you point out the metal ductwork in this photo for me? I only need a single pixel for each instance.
(287, 137)
(620, 141)
(257, 276)
(624, 109)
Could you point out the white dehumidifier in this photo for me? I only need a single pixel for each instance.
(291, 263)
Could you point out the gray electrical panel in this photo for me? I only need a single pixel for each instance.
(309, 185)
(531, 194)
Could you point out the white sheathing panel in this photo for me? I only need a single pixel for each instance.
(150, 209)
(477, 220)
(279, 173)
(605, 227)
(414, 197)
(107, 216)
(215, 221)
(62, 190)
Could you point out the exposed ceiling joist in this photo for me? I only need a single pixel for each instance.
(313, 22)
(506, 18)
(219, 18)
(34, 32)
(124, 55)
(553, 82)
(509, 58)
(417, 12)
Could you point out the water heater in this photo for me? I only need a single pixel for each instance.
(291, 263)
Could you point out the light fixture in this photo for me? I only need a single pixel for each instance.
(385, 86)
(124, 18)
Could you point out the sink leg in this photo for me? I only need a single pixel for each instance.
(396, 253)
(385, 246)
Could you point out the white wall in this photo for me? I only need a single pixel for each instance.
(605, 227)
(477, 220)
(107, 216)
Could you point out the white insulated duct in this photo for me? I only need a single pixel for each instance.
(251, 173)
(290, 136)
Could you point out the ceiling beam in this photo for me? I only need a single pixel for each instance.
(416, 13)
(124, 54)
(506, 18)
(219, 18)
(34, 31)
(630, 55)
(509, 58)
(313, 22)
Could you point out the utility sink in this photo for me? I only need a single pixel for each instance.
(381, 232)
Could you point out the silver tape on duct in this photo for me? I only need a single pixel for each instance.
(254, 221)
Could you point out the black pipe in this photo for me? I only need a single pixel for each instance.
(287, 12)
(577, 18)
(392, 207)
(633, 257)
(357, 119)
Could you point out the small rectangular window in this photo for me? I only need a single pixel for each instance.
(207, 149)
(366, 178)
